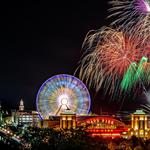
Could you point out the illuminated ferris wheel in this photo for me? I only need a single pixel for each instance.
(62, 92)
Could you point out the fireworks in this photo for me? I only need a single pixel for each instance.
(142, 6)
(134, 74)
(117, 57)
(133, 16)
(114, 61)
(146, 108)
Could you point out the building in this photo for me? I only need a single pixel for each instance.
(98, 125)
(105, 126)
(52, 122)
(68, 119)
(139, 124)
(22, 117)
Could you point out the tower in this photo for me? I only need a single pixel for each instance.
(21, 106)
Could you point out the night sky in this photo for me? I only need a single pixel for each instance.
(41, 39)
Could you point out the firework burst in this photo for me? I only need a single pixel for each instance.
(132, 16)
(146, 108)
(110, 56)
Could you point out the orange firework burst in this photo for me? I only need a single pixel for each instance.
(112, 54)
(117, 52)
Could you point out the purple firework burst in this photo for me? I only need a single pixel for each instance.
(142, 6)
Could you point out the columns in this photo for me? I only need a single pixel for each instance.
(74, 122)
(139, 123)
(67, 121)
(145, 121)
(132, 122)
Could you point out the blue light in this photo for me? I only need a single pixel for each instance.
(81, 101)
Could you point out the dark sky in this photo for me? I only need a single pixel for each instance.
(40, 39)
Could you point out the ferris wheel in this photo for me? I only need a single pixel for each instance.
(62, 92)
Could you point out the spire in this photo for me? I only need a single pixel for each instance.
(21, 106)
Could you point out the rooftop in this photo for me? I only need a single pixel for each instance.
(139, 112)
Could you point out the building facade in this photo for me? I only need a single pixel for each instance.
(22, 117)
(139, 124)
(68, 120)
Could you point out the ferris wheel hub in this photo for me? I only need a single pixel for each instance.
(64, 101)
